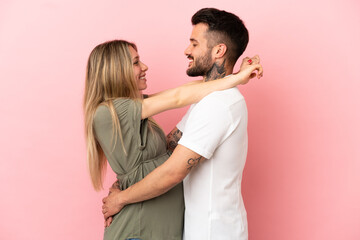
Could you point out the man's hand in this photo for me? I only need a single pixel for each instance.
(112, 204)
(116, 185)
(107, 222)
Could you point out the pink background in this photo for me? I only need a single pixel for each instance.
(301, 180)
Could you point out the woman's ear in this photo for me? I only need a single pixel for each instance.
(219, 51)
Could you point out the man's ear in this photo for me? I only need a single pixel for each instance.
(219, 51)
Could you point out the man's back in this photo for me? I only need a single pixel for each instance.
(216, 128)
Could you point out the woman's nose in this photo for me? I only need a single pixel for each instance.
(144, 67)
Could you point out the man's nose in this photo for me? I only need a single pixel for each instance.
(187, 51)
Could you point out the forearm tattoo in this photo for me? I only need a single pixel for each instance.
(193, 162)
(173, 139)
(217, 71)
(116, 185)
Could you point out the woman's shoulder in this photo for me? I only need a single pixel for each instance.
(125, 104)
(102, 113)
(121, 106)
(122, 101)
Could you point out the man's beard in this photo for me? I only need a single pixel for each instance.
(201, 65)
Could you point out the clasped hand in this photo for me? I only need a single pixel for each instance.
(111, 205)
(248, 68)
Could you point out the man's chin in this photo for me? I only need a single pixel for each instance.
(191, 73)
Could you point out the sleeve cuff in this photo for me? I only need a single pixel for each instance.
(195, 148)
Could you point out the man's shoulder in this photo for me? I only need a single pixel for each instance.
(224, 106)
(222, 99)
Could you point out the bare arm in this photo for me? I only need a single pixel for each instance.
(185, 84)
(172, 139)
(192, 93)
(159, 181)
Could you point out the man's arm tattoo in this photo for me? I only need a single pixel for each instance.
(173, 139)
(116, 185)
(193, 162)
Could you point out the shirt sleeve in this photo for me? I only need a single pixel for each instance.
(129, 114)
(207, 126)
(182, 123)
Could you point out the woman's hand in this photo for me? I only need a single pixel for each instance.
(250, 68)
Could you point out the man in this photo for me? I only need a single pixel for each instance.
(213, 132)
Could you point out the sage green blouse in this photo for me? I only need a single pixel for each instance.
(160, 218)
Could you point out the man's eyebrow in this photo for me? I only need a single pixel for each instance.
(193, 40)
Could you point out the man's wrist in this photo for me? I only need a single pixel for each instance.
(121, 199)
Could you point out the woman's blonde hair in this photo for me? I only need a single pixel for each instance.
(109, 75)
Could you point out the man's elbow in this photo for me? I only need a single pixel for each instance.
(176, 178)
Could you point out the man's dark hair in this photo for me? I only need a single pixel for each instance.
(224, 27)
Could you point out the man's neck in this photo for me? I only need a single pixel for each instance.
(217, 71)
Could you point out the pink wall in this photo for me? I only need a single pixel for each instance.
(301, 179)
